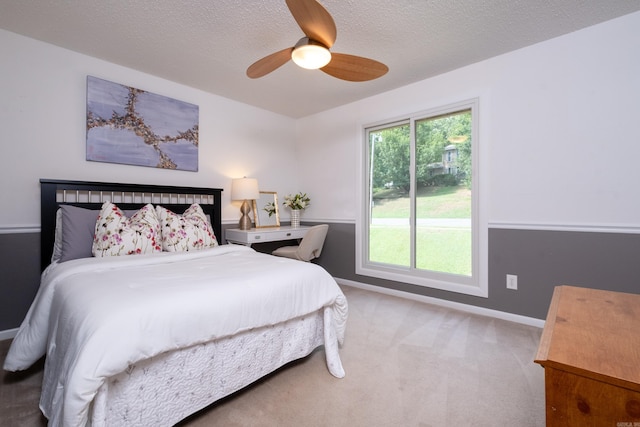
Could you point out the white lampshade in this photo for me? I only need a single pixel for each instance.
(244, 189)
(311, 56)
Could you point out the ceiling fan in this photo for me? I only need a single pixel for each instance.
(312, 51)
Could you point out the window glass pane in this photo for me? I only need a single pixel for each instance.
(389, 202)
(443, 194)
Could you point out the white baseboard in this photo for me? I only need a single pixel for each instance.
(539, 323)
(8, 334)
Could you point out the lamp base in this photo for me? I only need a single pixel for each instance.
(245, 220)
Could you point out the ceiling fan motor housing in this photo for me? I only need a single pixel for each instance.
(310, 54)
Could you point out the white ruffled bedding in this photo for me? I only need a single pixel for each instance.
(167, 388)
(95, 317)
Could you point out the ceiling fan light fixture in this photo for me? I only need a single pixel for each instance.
(310, 54)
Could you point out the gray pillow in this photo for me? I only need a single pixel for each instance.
(57, 242)
(78, 228)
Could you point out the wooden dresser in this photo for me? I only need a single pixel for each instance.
(590, 351)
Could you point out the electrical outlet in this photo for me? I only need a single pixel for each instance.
(512, 282)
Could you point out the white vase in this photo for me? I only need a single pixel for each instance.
(295, 218)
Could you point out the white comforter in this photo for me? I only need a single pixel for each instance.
(94, 317)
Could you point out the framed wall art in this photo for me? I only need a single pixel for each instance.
(135, 127)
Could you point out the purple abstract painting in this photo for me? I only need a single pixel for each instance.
(135, 127)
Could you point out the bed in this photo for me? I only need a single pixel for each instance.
(150, 339)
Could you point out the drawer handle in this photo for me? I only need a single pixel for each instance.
(583, 406)
(256, 237)
(633, 408)
(288, 234)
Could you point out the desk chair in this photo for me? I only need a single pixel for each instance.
(309, 248)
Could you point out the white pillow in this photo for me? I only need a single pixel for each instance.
(187, 232)
(115, 234)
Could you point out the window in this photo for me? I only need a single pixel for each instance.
(419, 221)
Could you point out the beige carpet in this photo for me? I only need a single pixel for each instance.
(407, 364)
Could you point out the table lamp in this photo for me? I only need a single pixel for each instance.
(244, 189)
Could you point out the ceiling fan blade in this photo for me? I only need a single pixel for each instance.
(354, 68)
(269, 63)
(314, 20)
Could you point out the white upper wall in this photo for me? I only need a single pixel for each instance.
(43, 120)
(558, 145)
(557, 136)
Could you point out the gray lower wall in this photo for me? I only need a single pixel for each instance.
(540, 259)
(544, 259)
(19, 276)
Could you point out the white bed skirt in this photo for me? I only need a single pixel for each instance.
(165, 389)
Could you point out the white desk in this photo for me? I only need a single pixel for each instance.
(258, 235)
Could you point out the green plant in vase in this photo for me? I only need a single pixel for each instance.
(296, 203)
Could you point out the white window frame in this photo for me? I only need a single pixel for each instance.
(476, 284)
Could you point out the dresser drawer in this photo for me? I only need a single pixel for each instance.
(573, 400)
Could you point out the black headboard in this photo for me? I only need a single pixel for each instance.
(91, 195)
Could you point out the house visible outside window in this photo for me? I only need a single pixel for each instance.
(419, 218)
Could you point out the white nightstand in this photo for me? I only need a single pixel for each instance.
(258, 235)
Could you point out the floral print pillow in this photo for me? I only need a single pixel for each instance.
(187, 232)
(115, 234)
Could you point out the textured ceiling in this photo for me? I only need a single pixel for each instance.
(208, 44)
